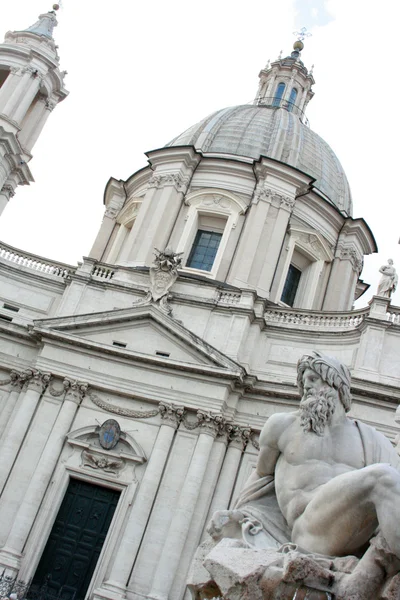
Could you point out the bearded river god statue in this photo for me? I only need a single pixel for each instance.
(319, 518)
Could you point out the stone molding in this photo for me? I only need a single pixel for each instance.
(208, 422)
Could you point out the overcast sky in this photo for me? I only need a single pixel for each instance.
(140, 73)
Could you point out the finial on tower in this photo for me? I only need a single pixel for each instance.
(299, 43)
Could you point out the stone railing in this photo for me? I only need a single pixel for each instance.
(229, 297)
(31, 261)
(102, 271)
(315, 320)
(393, 315)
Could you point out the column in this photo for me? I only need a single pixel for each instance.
(271, 82)
(10, 554)
(342, 282)
(6, 191)
(179, 527)
(17, 92)
(28, 96)
(141, 509)
(30, 135)
(16, 387)
(7, 88)
(12, 440)
(230, 468)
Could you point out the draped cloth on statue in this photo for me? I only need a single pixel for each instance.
(265, 526)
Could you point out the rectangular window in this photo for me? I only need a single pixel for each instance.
(291, 285)
(204, 250)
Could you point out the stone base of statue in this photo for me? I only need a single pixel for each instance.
(230, 570)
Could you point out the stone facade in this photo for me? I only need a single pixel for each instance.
(190, 375)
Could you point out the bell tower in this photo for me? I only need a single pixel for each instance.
(31, 85)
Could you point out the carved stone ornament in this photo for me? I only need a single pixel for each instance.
(164, 272)
(8, 191)
(169, 179)
(109, 434)
(269, 195)
(99, 461)
(171, 414)
(349, 253)
(111, 212)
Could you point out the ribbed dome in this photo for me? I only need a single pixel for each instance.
(255, 131)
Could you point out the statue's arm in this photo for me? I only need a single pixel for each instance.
(269, 445)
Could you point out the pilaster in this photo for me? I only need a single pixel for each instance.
(209, 425)
(12, 440)
(115, 586)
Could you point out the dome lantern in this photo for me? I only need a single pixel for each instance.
(286, 83)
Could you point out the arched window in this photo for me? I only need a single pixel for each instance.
(292, 99)
(278, 94)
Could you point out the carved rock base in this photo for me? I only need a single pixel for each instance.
(231, 570)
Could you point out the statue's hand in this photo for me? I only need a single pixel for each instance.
(226, 524)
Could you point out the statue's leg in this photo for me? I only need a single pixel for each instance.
(344, 512)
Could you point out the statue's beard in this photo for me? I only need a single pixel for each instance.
(317, 410)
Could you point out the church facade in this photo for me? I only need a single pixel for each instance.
(134, 385)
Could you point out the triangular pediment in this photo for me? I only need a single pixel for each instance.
(139, 331)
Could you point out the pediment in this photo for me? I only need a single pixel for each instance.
(139, 331)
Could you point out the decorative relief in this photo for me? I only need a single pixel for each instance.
(349, 253)
(8, 191)
(171, 414)
(123, 412)
(238, 436)
(99, 461)
(72, 389)
(169, 179)
(75, 390)
(269, 195)
(164, 272)
(38, 381)
(111, 212)
(50, 104)
(215, 200)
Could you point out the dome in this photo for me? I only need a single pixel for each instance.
(253, 131)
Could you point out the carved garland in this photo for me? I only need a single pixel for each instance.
(206, 421)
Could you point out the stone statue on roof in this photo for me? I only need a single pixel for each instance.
(389, 280)
(322, 508)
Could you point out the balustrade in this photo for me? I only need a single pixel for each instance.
(31, 261)
(317, 320)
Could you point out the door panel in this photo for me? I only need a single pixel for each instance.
(76, 540)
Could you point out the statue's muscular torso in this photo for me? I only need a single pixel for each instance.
(303, 462)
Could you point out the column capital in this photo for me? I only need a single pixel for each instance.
(75, 391)
(36, 380)
(239, 436)
(8, 191)
(211, 423)
(171, 414)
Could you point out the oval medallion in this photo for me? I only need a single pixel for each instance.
(109, 434)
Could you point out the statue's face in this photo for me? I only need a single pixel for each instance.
(312, 382)
(318, 403)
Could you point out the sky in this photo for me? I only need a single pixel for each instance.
(140, 73)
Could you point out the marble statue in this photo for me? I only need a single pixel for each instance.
(389, 280)
(323, 503)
